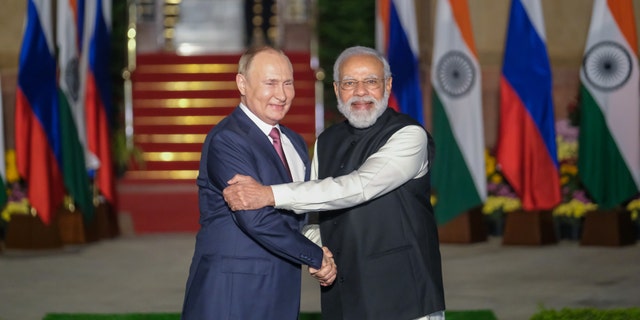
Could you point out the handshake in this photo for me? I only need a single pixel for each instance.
(245, 193)
(327, 272)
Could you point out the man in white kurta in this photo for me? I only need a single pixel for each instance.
(376, 217)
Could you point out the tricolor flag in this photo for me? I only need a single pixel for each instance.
(38, 140)
(72, 115)
(609, 155)
(98, 101)
(397, 38)
(459, 176)
(526, 149)
(3, 163)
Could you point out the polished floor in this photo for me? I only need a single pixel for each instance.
(147, 274)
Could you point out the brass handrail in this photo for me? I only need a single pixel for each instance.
(128, 71)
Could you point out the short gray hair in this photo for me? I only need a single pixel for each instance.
(245, 60)
(357, 51)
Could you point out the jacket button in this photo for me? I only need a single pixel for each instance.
(341, 280)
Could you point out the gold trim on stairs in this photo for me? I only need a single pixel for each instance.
(200, 68)
(189, 68)
(178, 120)
(170, 138)
(187, 103)
(186, 85)
(171, 156)
(163, 175)
(202, 85)
(202, 120)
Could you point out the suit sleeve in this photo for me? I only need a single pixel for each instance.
(229, 153)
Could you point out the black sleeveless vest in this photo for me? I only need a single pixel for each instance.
(386, 249)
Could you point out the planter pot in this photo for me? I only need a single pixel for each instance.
(29, 232)
(468, 227)
(494, 224)
(104, 224)
(532, 228)
(71, 227)
(568, 229)
(608, 228)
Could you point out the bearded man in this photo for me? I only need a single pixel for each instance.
(373, 200)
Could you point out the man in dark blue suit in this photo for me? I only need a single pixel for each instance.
(246, 265)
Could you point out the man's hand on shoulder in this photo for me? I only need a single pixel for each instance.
(245, 193)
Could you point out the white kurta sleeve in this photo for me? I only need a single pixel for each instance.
(402, 158)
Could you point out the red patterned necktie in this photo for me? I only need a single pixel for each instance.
(275, 135)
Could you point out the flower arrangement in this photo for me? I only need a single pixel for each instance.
(575, 202)
(634, 207)
(17, 200)
(501, 198)
(17, 204)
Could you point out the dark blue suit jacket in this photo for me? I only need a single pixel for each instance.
(246, 264)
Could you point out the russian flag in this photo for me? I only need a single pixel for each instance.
(38, 140)
(397, 38)
(98, 100)
(526, 149)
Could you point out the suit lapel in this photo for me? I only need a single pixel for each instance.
(301, 148)
(261, 142)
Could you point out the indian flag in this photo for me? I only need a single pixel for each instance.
(76, 178)
(609, 155)
(459, 170)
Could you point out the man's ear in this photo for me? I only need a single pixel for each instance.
(241, 82)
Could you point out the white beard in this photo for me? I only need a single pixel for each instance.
(363, 118)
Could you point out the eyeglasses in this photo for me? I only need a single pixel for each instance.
(369, 84)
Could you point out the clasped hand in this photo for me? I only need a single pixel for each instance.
(245, 193)
(328, 271)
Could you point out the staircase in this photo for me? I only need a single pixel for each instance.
(176, 101)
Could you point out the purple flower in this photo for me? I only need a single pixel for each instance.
(565, 130)
(17, 194)
(581, 196)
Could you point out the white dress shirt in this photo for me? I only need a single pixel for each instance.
(296, 166)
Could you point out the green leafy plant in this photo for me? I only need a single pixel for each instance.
(587, 314)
